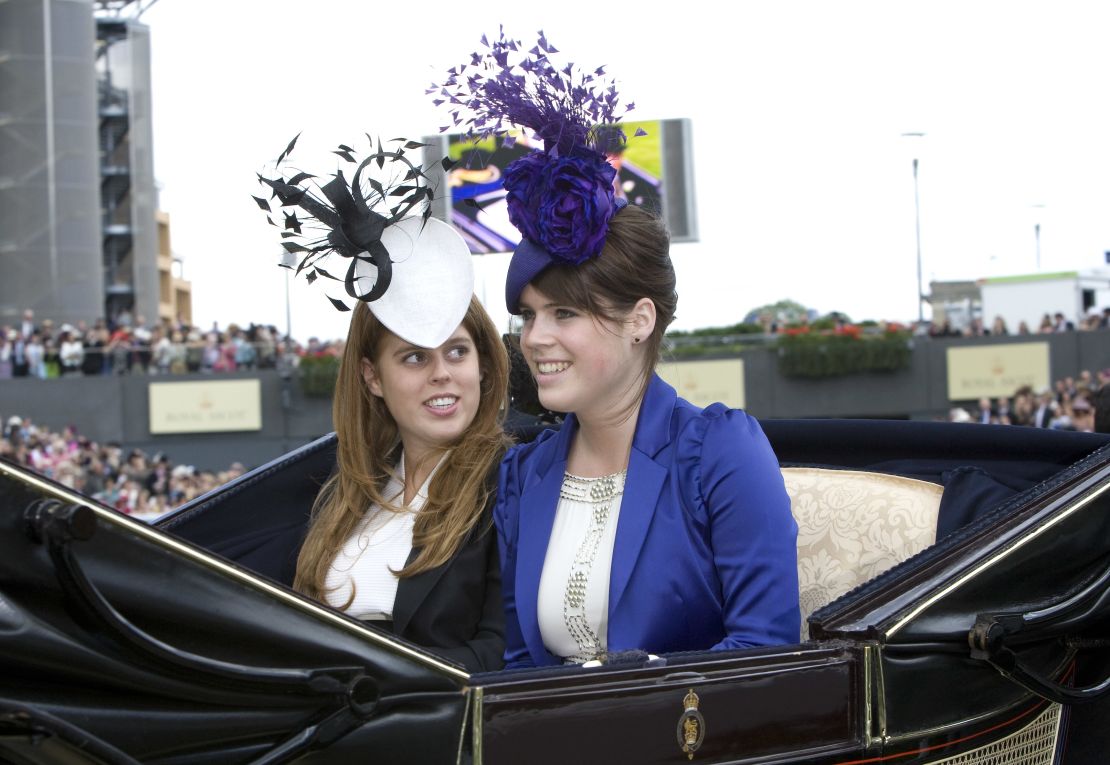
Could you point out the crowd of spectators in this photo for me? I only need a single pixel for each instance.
(1079, 403)
(128, 480)
(131, 346)
(147, 486)
(1050, 323)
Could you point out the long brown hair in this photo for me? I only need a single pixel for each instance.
(368, 444)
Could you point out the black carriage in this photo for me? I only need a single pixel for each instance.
(956, 580)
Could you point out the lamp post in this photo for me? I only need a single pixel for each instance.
(288, 310)
(289, 262)
(917, 231)
(1037, 235)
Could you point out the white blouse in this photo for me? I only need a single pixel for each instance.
(573, 600)
(379, 546)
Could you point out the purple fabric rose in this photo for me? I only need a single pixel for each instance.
(521, 184)
(576, 201)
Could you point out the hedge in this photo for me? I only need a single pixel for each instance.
(816, 356)
(317, 375)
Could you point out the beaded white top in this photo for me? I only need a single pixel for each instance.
(573, 601)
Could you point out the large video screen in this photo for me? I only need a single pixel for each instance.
(653, 171)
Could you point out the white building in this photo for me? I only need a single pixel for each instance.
(1028, 298)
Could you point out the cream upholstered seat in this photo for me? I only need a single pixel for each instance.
(854, 525)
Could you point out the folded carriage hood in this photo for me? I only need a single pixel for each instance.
(120, 641)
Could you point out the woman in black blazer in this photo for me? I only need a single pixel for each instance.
(455, 609)
(401, 534)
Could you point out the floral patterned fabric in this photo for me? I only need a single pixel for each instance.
(852, 526)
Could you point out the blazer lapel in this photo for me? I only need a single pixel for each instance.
(642, 485)
(539, 499)
(412, 591)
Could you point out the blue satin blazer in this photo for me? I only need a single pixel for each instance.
(706, 547)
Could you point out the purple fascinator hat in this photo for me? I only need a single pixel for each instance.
(374, 234)
(561, 199)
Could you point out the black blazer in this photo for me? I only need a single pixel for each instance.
(259, 520)
(455, 610)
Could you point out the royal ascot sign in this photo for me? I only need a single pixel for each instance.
(996, 370)
(205, 407)
(707, 382)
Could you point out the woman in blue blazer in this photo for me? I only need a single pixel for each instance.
(645, 522)
(704, 554)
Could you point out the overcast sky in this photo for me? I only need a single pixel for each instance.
(803, 179)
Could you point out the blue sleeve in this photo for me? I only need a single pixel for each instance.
(506, 512)
(753, 535)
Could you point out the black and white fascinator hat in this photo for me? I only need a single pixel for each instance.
(376, 236)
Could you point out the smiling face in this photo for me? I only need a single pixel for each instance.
(432, 393)
(582, 363)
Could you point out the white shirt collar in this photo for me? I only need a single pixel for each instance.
(397, 483)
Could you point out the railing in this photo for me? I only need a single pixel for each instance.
(142, 359)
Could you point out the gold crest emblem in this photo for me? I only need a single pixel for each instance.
(691, 726)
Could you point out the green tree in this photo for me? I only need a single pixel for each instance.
(784, 311)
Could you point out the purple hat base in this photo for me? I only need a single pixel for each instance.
(529, 261)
